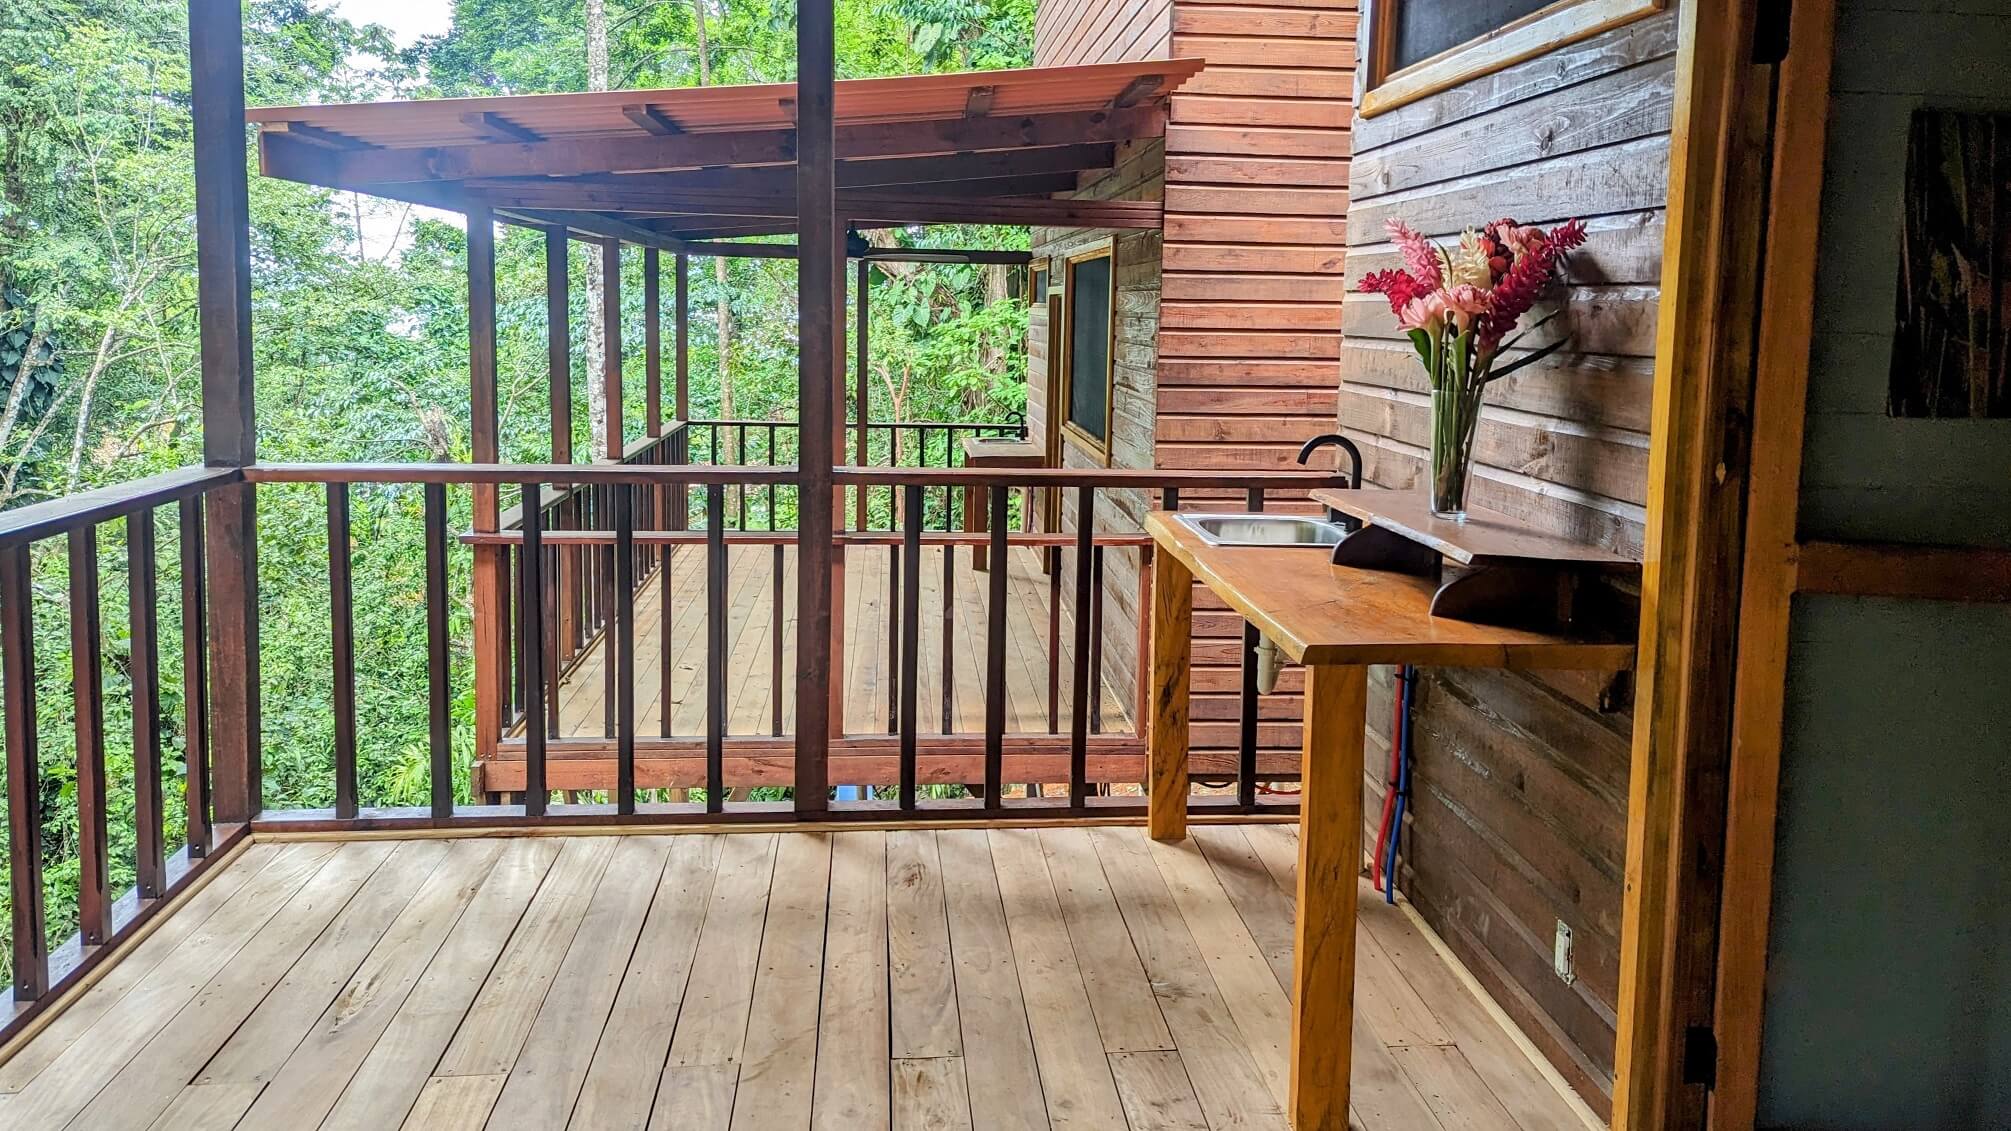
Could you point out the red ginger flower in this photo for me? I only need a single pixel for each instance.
(1534, 268)
(1396, 286)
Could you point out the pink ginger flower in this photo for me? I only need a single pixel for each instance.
(1426, 312)
(1464, 304)
(1421, 259)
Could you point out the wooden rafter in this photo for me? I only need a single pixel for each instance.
(496, 127)
(651, 120)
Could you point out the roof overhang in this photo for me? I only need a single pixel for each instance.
(662, 167)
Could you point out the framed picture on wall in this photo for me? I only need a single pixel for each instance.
(1949, 350)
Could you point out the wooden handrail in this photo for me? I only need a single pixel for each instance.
(789, 538)
(88, 508)
(516, 473)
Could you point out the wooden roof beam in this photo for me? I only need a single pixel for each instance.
(978, 102)
(495, 127)
(652, 120)
(586, 156)
(313, 135)
(1138, 90)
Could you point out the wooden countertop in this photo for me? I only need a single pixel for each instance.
(1320, 613)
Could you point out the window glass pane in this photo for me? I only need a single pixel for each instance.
(1427, 27)
(1089, 345)
(1039, 286)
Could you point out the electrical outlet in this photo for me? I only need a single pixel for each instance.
(1560, 954)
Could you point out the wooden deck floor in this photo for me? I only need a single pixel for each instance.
(751, 692)
(1063, 978)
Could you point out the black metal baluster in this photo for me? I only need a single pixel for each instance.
(149, 822)
(949, 635)
(1246, 721)
(775, 613)
(1078, 723)
(666, 586)
(893, 635)
(1096, 640)
(438, 668)
(624, 648)
(995, 655)
(715, 648)
(1053, 555)
(535, 687)
(773, 461)
(342, 650)
(610, 675)
(94, 902)
(911, 625)
(24, 775)
(195, 679)
(739, 490)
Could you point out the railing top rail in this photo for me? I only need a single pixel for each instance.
(1141, 478)
(756, 422)
(56, 516)
(510, 537)
(512, 473)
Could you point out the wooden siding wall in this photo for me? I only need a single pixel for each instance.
(1517, 817)
(1139, 175)
(1067, 32)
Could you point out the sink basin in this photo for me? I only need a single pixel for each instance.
(1263, 530)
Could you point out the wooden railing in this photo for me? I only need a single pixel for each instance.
(172, 837)
(902, 752)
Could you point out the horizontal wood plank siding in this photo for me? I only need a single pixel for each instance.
(1519, 786)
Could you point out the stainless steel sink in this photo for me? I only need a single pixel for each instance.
(1262, 530)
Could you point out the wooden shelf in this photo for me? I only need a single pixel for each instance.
(1485, 538)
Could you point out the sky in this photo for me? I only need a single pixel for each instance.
(407, 19)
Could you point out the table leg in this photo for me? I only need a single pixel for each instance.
(1330, 861)
(1172, 633)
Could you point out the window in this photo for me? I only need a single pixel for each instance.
(1036, 290)
(1088, 294)
(1417, 48)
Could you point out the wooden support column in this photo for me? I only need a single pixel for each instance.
(679, 504)
(223, 296)
(652, 344)
(492, 637)
(611, 441)
(1330, 862)
(860, 387)
(1172, 630)
(558, 342)
(820, 290)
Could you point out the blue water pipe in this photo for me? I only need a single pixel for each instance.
(1406, 676)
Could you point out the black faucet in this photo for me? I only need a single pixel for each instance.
(1336, 440)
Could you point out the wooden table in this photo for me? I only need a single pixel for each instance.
(1335, 620)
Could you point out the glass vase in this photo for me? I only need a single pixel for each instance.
(1453, 416)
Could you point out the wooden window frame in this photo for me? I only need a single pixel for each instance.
(1544, 30)
(1036, 294)
(1072, 432)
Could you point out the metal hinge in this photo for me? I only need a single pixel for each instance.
(1700, 1056)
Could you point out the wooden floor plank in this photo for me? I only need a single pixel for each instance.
(712, 1030)
(1232, 1091)
(1456, 1095)
(852, 1087)
(128, 971)
(922, 987)
(207, 1107)
(1074, 1072)
(778, 1070)
(990, 1003)
(549, 1071)
(695, 1097)
(493, 1033)
(455, 1103)
(930, 1095)
(313, 1076)
(621, 1083)
(390, 1079)
(70, 1078)
(1127, 1011)
(1255, 1000)
(255, 1052)
(1156, 1093)
(149, 1082)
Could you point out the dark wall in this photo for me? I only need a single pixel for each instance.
(1889, 964)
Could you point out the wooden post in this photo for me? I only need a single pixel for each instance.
(1172, 630)
(652, 344)
(492, 635)
(1330, 862)
(819, 287)
(860, 387)
(223, 296)
(611, 442)
(679, 502)
(558, 342)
